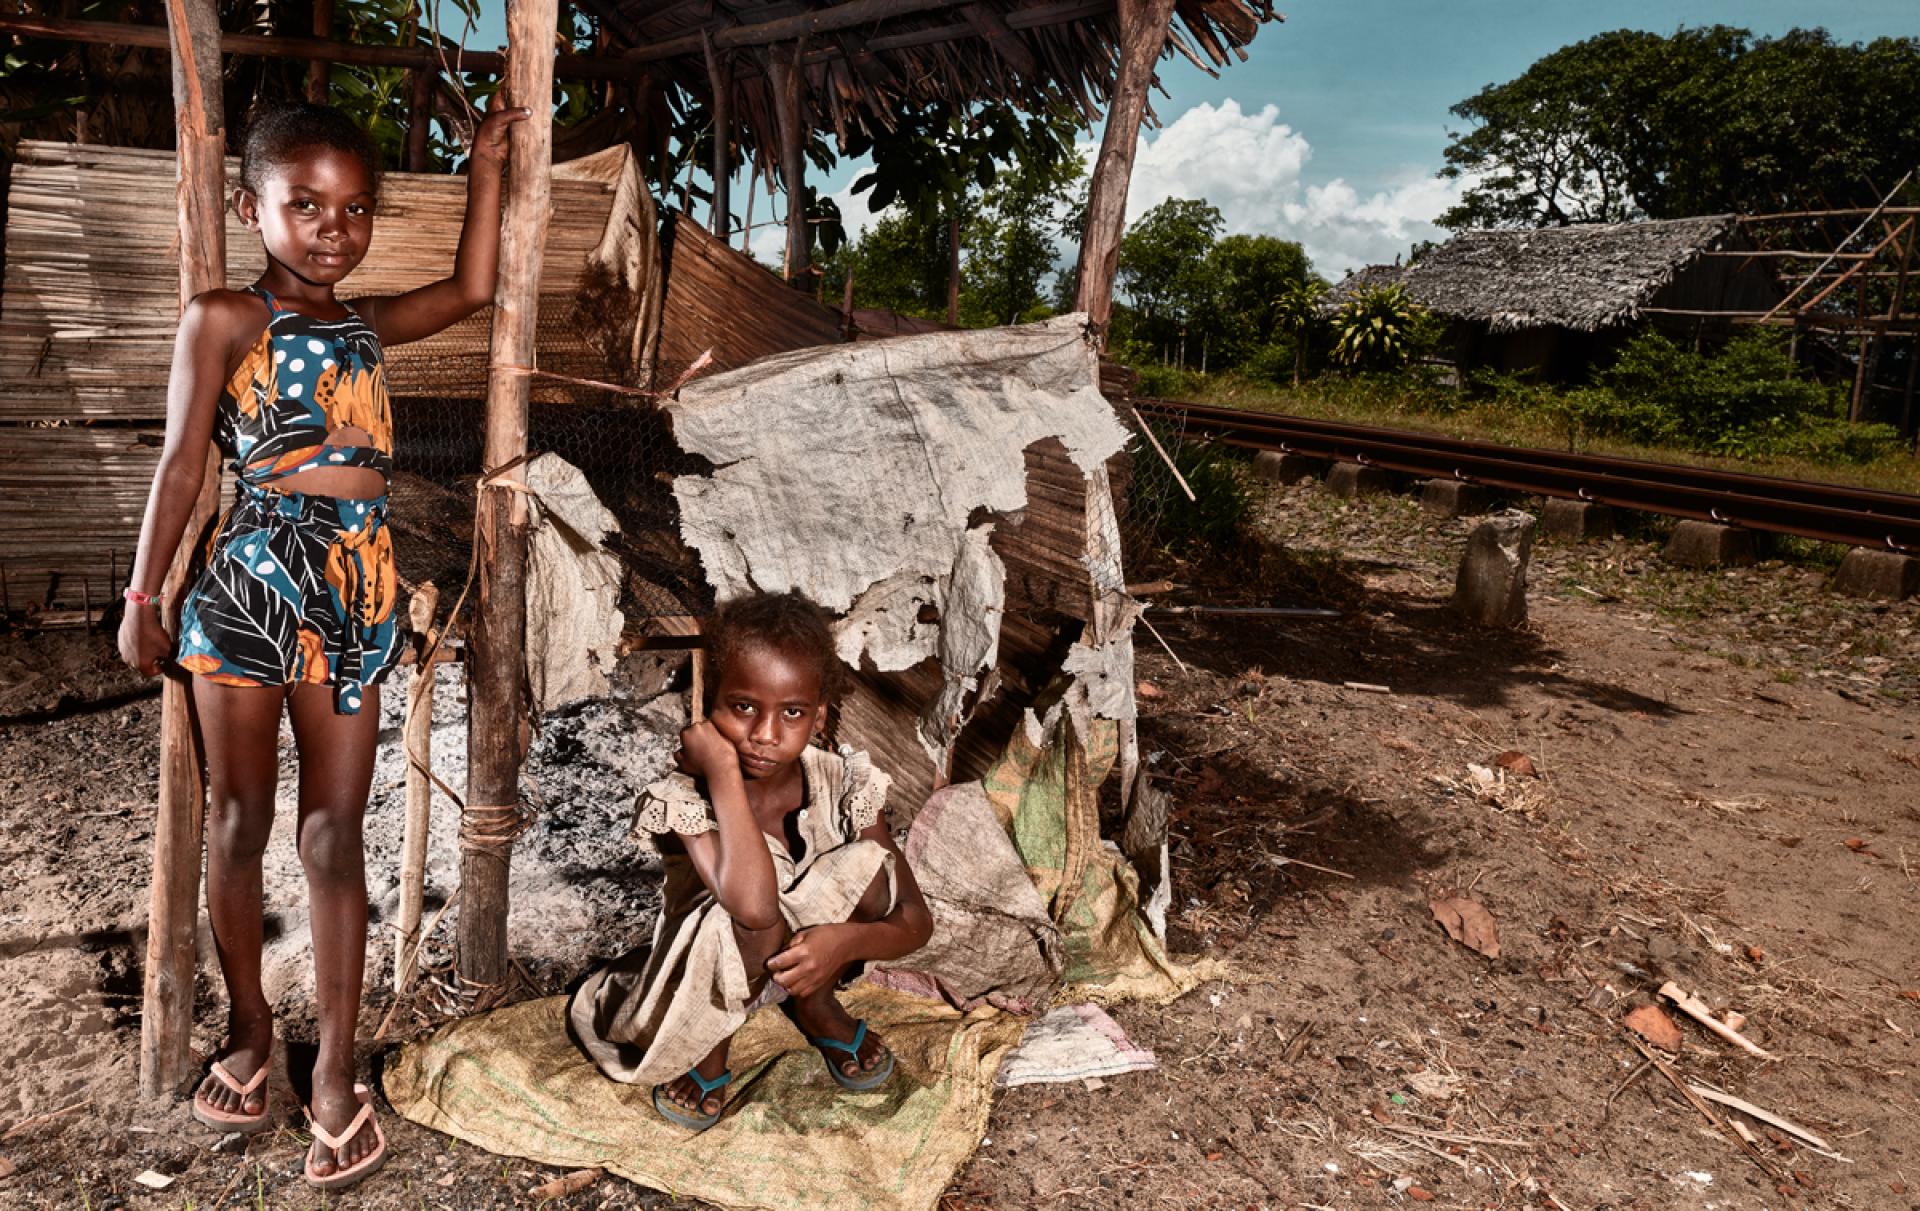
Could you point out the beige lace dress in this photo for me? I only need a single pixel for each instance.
(656, 1011)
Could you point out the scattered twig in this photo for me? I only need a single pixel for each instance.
(571, 1183)
(1787, 1125)
(1645, 1066)
(1693, 1099)
(1450, 1137)
(37, 1119)
(1698, 1010)
(413, 962)
(1163, 644)
(1367, 687)
(1162, 452)
(1283, 860)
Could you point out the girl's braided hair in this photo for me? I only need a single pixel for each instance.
(278, 131)
(787, 623)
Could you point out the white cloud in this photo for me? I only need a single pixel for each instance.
(1253, 167)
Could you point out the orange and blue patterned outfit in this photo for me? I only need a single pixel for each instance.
(299, 588)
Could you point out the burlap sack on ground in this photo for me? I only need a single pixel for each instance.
(1045, 792)
(993, 942)
(513, 1083)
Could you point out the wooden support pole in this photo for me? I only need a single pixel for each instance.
(320, 71)
(953, 270)
(1143, 35)
(746, 227)
(421, 83)
(720, 80)
(166, 1021)
(416, 740)
(498, 731)
(789, 105)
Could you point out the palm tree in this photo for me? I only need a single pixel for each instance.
(1297, 310)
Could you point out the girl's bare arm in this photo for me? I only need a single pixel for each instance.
(815, 957)
(905, 929)
(215, 330)
(431, 308)
(733, 860)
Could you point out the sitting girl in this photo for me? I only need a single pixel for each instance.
(781, 877)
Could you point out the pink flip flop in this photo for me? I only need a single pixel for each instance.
(225, 1120)
(343, 1178)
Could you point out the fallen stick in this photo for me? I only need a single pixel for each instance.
(1164, 456)
(1665, 1069)
(571, 1183)
(1773, 1120)
(25, 1123)
(1283, 860)
(1697, 1009)
(1367, 687)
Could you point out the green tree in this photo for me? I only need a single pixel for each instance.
(1011, 241)
(900, 263)
(1702, 121)
(938, 155)
(1246, 274)
(1297, 312)
(1163, 267)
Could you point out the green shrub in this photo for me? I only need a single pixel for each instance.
(1713, 399)
(1376, 329)
(1272, 363)
(1215, 521)
(1168, 382)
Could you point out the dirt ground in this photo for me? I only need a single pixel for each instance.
(1726, 794)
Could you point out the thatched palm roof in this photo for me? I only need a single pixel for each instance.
(1584, 277)
(1038, 55)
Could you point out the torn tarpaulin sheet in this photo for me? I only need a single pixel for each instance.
(573, 587)
(866, 476)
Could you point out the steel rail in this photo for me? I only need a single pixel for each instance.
(1899, 504)
(1826, 512)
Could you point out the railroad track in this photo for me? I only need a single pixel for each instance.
(1861, 517)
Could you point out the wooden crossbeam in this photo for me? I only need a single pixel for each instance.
(277, 46)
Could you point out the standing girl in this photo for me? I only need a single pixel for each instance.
(294, 609)
(780, 870)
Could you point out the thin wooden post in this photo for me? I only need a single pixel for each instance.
(1143, 35)
(1856, 401)
(166, 1021)
(419, 117)
(953, 269)
(746, 229)
(320, 71)
(498, 731)
(789, 106)
(720, 80)
(416, 739)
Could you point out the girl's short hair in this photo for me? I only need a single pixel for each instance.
(279, 130)
(787, 623)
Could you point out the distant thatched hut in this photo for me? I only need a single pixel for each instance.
(1560, 299)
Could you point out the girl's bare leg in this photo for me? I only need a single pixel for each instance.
(822, 1016)
(240, 726)
(336, 772)
(756, 947)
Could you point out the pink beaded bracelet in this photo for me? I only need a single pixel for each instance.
(139, 598)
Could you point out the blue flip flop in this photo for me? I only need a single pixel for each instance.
(864, 1081)
(692, 1120)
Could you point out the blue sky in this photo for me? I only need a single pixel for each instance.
(1332, 131)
